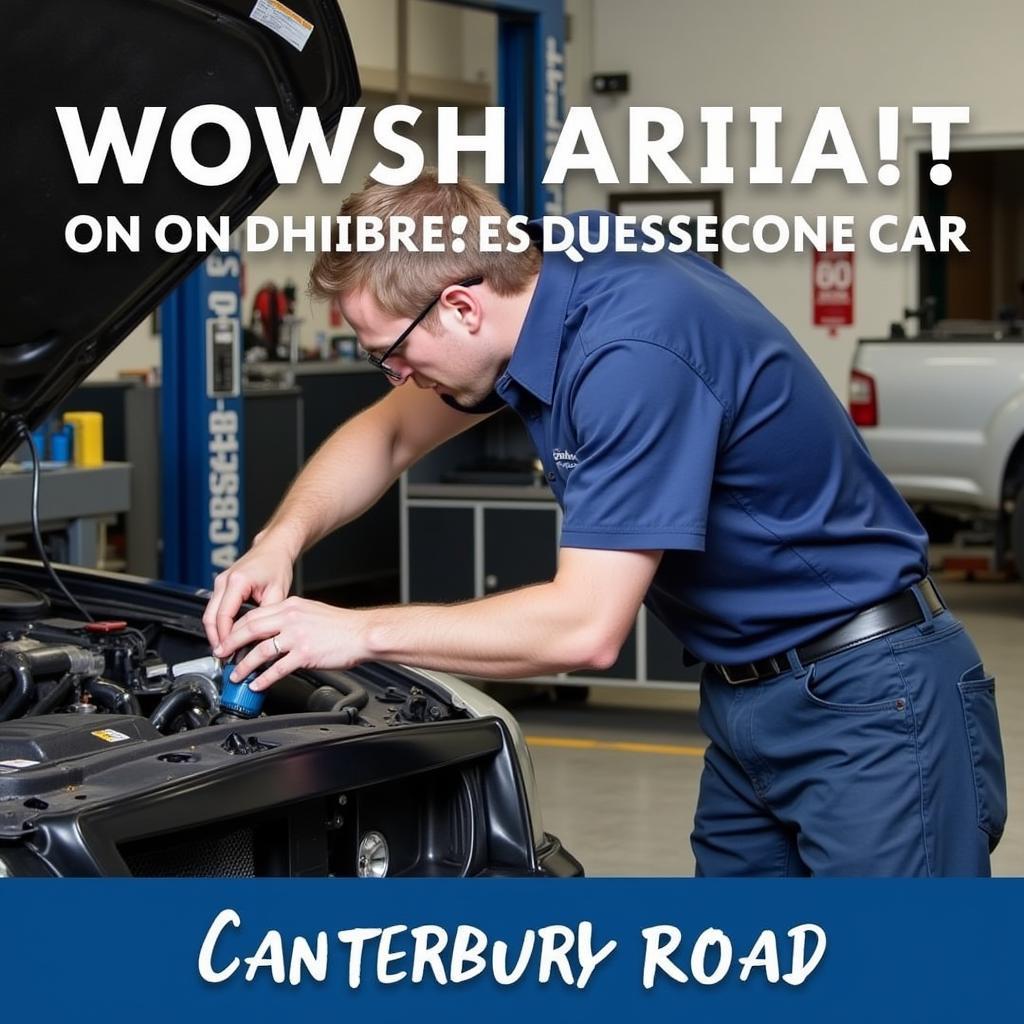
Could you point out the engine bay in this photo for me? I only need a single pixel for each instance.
(68, 682)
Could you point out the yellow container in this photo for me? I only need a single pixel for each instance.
(88, 441)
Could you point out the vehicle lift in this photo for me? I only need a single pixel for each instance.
(202, 457)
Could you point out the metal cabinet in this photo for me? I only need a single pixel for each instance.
(455, 551)
(358, 562)
(441, 566)
(520, 546)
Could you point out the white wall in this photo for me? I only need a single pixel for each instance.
(445, 42)
(802, 54)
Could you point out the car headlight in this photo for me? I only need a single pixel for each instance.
(468, 698)
(5, 871)
(374, 856)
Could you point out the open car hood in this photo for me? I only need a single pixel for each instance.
(64, 312)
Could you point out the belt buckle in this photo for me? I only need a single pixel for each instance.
(727, 676)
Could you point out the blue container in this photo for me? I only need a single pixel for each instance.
(60, 446)
(39, 437)
(237, 698)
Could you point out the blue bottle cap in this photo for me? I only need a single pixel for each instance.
(237, 697)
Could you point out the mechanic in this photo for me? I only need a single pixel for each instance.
(704, 467)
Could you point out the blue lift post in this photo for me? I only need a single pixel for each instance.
(201, 421)
(201, 403)
(531, 88)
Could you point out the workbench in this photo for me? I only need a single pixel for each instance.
(73, 500)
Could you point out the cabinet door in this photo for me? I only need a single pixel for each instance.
(364, 551)
(520, 547)
(273, 452)
(441, 554)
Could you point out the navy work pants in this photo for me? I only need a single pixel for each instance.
(884, 760)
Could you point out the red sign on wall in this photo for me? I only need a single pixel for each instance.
(832, 289)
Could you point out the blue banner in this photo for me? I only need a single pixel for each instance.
(751, 951)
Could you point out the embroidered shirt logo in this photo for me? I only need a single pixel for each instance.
(564, 459)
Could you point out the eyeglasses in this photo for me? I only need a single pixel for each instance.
(379, 361)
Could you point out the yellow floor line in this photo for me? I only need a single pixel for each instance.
(571, 743)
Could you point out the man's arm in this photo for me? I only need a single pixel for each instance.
(350, 471)
(353, 468)
(578, 620)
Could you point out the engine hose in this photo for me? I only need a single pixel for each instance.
(55, 697)
(173, 705)
(54, 658)
(186, 691)
(325, 698)
(22, 692)
(197, 719)
(205, 685)
(353, 695)
(113, 697)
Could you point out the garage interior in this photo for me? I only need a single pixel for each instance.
(618, 754)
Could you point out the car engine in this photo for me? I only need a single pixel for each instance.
(155, 677)
(123, 751)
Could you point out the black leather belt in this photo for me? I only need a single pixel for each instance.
(878, 620)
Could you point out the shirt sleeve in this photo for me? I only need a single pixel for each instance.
(647, 432)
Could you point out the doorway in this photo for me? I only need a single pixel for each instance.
(986, 284)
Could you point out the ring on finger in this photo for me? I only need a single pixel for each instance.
(277, 646)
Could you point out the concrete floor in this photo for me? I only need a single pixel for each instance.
(618, 775)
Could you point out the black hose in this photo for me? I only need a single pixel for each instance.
(37, 535)
(49, 659)
(173, 705)
(21, 694)
(113, 697)
(325, 698)
(187, 690)
(193, 685)
(354, 695)
(197, 719)
(55, 697)
(295, 692)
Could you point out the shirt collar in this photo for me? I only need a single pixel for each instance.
(535, 357)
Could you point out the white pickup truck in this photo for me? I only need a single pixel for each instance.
(943, 415)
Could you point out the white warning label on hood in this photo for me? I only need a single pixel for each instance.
(291, 27)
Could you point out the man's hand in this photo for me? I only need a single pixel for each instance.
(263, 575)
(299, 634)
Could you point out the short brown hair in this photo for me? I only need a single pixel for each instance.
(404, 282)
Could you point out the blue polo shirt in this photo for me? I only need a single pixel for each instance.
(672, 411)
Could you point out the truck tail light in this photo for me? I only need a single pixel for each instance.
(863, 403)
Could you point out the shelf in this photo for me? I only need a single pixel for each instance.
(480, 492)
(427, 88)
